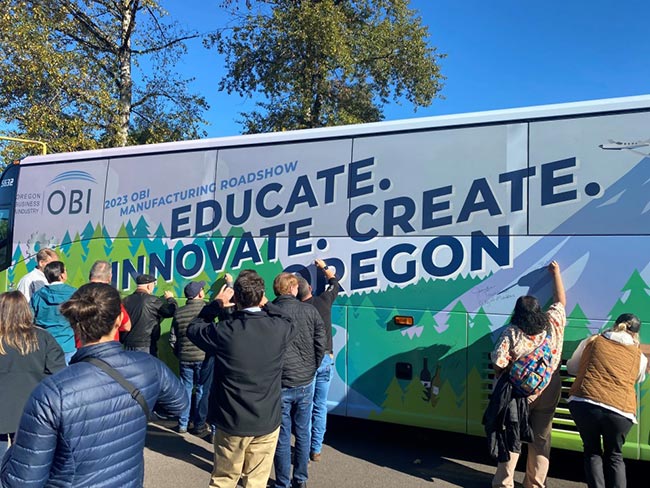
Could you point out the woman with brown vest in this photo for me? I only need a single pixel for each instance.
(603, 397)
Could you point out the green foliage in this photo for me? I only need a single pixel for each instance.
(85, 74)
(326, 62)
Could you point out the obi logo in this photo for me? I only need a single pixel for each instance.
(71, 200)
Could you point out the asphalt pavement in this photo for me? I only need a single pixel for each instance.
(365, 454)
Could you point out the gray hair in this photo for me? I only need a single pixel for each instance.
(101, 271)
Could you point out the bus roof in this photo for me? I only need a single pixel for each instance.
(513, 115)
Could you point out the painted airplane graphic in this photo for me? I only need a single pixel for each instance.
(630, 146)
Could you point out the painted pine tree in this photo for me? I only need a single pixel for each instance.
(140, 234)
(416, 400)
(86, 235)
(108, 243)
(96, 250)
(66, 242)
(577, 328)
(448, 413)
(120, 251)
(18, 270)
(635, 299)
(74, 262)
(393, 403)
(478, 364)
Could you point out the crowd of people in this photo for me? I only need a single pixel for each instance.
(85, 379)
(82, 369)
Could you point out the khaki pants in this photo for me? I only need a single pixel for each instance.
(248, 458)
(541, 422)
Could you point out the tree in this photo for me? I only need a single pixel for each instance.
(83, 74)
(326, 62)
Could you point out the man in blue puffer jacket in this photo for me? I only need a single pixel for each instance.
(80, 428)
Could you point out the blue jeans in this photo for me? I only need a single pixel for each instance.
(296, 411)
(319, 415)
(207, 371)
(190, 374)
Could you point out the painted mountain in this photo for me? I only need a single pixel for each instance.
(599, 272)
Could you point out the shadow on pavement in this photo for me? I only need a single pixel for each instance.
(430, 455)
(163, 440)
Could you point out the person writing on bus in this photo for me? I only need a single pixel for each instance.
(528, 329)
(323, 303)
(603, 400)
(35, 279)
(146, 311)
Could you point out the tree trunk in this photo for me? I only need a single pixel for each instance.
(125, 81)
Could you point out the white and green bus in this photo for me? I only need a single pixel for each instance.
(434, 226)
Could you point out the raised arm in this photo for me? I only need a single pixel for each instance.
(168, 306)
(558, 286)
(333, 288)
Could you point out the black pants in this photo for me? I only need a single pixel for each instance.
(604, 467)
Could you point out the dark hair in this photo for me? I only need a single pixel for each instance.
(249, 289)
(303, 288)
(53, 271)
(16, 324)
(92, 311)
(631, 321)
(529, 316)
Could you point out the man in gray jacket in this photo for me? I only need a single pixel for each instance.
(301, 360)
(189, 356)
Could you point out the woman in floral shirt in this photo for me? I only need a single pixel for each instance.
(527, 330)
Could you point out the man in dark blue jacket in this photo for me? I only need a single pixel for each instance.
(80, 427)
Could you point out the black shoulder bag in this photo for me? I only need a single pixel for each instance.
(124, 383)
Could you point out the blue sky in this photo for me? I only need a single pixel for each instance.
(500, 54)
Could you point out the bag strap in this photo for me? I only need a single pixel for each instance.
(124, 383)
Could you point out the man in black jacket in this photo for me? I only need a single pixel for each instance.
(301, 360)
(146, 312)
(323, 303)
(245, 401)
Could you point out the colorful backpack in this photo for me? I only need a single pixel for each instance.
(531, 373)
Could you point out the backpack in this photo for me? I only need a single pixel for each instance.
(531, 373)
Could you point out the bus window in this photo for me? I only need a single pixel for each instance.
(8, 186)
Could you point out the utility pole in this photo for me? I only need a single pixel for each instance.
(27, 141)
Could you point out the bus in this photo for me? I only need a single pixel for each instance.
(433, 225)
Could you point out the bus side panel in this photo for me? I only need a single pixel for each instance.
(409, 375)
(59, 204)
(290, 188)
(483, 333)
(447, 182)
(165, 185)
(338, 393)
